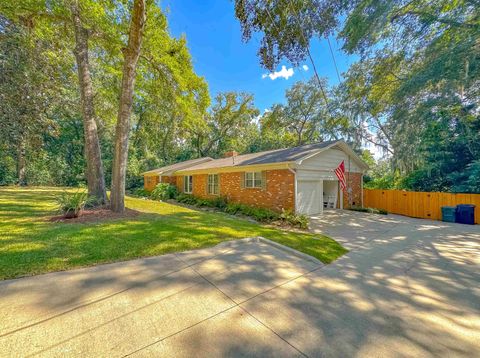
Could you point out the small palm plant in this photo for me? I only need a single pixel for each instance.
(72, 204)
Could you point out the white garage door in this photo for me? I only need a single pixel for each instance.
(309, 197)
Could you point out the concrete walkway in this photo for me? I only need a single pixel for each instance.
(408, 288)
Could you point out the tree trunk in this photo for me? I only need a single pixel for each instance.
(21, 163)
(131, 53)
(95, 176)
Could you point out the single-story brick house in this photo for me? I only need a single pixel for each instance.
(300, 179)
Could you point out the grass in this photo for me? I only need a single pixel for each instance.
(30, 244)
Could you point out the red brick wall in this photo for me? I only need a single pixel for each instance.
(149, 182)
(354, 181)
(169, 180)
(278, 195)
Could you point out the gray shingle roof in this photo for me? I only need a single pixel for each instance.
(267, 157)
(177, 166)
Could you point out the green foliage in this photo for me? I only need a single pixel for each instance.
(260, 214)
(304, 118)
(7, 167)
(382, 176)
(228, 125)
(369, 210)
(37, 62)
(267, 215)
(467, 181)
(286, 28)
(70, 204)
(160, 228)
(186, 199)
(164, 191)
(413, 94)
(141, 192)
(219, 202)
(293, 219)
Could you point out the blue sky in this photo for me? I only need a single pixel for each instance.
(228, 64)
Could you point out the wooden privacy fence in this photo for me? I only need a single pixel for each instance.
(418, 204)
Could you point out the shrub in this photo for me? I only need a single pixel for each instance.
(293, 219)
(141, 192)
(186, 199)
(164, 191)
(220, 202)
(203, 202)
(71, 204)
(260, 214)
(369, 210)
(233, 208)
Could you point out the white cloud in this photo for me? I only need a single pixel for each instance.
(283, 73)
(305, 67)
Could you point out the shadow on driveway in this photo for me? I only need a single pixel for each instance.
(407, 288)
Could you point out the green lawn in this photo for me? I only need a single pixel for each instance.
(29, 244)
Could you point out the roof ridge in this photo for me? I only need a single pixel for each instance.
(287, 148)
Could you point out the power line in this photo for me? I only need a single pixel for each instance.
(307, 43)
(308, 53)
(333, 57)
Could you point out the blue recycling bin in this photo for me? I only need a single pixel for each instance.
(449, 213)
(465, 214)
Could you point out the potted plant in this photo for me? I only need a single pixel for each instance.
(72, 204)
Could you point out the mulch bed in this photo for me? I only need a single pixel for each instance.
(95, 215)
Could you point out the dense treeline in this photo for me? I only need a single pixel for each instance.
(413, 93)
(415, 90)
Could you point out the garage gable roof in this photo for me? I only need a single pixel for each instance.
(340, 144)
(170, 169)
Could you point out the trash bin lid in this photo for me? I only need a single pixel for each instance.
(465, 206)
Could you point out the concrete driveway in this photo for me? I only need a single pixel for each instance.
(408, 288)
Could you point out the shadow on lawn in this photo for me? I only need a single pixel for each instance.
(412, 295)
(37, 246)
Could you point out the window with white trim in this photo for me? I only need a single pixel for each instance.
(212, 186)
(253, 180)
(187, 184)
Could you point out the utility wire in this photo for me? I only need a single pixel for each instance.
(333, 57)
(308, 53)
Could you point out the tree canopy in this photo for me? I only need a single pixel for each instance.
(413, 93)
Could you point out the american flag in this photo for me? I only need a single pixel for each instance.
(340, 173)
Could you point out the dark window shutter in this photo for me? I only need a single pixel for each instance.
(264, 180)
(242, 180)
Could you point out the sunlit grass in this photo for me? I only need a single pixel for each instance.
(30, 244)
